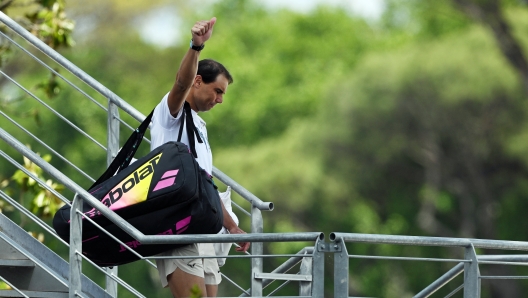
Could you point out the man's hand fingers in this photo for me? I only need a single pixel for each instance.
(202, 27)
(244, 246)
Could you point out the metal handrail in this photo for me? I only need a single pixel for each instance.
(429, 241)
(133, 232)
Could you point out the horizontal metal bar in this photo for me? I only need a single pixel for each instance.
(503, 277)
(16, 263)
(283, 276)
(287, 265)
(407, 258)
(244, 193)
(245, 256)
(429, 241)
(508, 258)
(504, 263)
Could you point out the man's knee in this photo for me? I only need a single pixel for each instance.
(183, 284)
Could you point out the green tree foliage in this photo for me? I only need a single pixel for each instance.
(410, 125)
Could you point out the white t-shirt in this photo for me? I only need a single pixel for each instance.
(165, 128)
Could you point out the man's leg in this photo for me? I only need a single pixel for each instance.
(181, 283)
(212, 290)
(212, 274)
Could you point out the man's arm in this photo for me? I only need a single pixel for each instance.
(201, 32)
(232, 227)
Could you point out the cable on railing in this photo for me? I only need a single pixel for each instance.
(13, 287)
(54, 72)
(235, 284)
(76, 71)
(52, 110)
(115, 278)
(32, 216)
(47, 147)
(455, 291)
(285, 283)
(32, 176)
(408, 258)
(241, 209)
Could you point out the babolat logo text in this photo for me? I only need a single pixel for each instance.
(132, 189)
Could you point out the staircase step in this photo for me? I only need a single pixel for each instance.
(20, 245)
(17, 263)
(36, 294)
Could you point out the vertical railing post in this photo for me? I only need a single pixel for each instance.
(257, 248)
(305, 287)
(318, 268)
(471, 274)
(341, 265)
(75, 247)
(111, 153)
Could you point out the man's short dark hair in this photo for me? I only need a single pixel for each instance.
(209, 69)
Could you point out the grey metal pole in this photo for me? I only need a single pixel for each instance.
(471, 274)
(341, 269)
(112, 149)
(305, 287)
(257, 248)
(318, 268)
(75, 248)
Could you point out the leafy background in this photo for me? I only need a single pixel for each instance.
(411, 124)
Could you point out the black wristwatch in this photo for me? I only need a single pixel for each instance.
(197, 48)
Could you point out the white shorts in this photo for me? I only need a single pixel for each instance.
(205, 268)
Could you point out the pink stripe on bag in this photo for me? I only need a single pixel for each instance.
(166, 180)
(169, 174)
(183, 224)
(164, 183)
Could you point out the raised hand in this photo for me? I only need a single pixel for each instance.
(202, 30)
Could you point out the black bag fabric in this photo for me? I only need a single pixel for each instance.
(163, 193)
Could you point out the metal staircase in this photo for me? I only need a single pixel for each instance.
(34, 270)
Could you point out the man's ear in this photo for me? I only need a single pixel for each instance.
(198, 81)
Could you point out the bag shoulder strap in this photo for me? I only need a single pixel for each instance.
(123, 158)
(190, 129)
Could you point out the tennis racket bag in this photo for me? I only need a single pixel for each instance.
(163, 193)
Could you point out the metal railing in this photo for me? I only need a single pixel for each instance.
(469, 265)
(259, 279)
